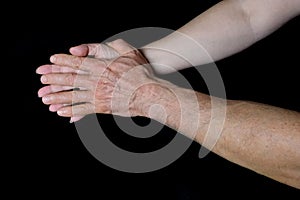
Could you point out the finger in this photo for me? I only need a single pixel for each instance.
(69, 97)
(83, 50)
(96, 50)
(47, 69)
(52, 89)
(82, 63)
(76, 118)
(76, 110)
(121, 46)
(55, 107)
(74, 80)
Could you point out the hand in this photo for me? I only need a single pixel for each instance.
(106, 83)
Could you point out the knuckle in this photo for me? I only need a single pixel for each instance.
(90, 83)
(58, 98)
(87, 96)
(76, 97)
(76, 61)
(70, 78)
(96, 50)
(83, 109)
(81, 96)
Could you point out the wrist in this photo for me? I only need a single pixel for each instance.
(181, 109)
(163, 60)
(152, 96)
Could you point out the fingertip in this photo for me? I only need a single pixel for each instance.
(75, 119)
(63, 112)
(44, 79)
(44, 69)
(40, 93)
(81, 50)
(45, 90)
(55, 107)
(52, 58)
(38, 70)
(52, 109)
(73, 50)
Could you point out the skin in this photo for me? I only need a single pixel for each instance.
(260, 137)
(223, 30)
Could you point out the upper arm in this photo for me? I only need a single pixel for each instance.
(265, 16)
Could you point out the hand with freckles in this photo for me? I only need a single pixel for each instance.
(96, 78)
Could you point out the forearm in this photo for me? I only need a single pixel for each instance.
(263, 138)
(223, 30)
(260, 137)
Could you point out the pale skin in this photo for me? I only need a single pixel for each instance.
(263, 138)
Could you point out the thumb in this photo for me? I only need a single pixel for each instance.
(97, 50)
(81, 50)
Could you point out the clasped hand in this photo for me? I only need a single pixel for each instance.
(95, 78)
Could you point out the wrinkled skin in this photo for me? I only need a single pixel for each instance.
(97, 78)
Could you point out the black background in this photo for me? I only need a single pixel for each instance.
(51, 161)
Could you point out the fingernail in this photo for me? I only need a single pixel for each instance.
(37, 71)
(61, 112)
(46, 99)
(52, 59)
(44, 79)
(52, 109)
(39, 94)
